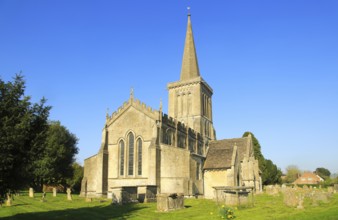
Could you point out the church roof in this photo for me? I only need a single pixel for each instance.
(220, 152)
(219, 157)
(189, 68)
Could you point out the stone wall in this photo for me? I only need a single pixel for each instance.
(175, 170)
(89, 184)
(213, 178)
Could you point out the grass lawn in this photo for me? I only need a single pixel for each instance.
(266, 207)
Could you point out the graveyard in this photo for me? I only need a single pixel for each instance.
(276, 202)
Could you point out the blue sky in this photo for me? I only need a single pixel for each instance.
(273, 66)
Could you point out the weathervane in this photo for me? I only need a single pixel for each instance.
(188, 10)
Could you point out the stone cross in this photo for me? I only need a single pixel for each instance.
(69, 195)
(54, 191)
(31, 192)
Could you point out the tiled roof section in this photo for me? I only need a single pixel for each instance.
(220, 152)
(219, 158)
(241, 143)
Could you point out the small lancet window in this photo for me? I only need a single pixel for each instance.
(121, 158)
(131, 154)
(139, 157)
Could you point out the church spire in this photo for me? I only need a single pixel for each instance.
(190, 68)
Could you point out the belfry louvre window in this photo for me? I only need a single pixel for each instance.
(139, 157)
(131, 154)
(121, 158)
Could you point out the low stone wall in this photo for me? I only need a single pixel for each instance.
(169, 202)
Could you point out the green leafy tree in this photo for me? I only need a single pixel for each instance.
(32, 150)
(20, 128)
(270, 173)
(54, 165)
(292, 173)
(75, 181)
(323, 173)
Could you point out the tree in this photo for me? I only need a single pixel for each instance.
(292, 173)
(323, 173)
(75, 181)
(270, 173)
(54, 165)
(20, 128)
(32, 150)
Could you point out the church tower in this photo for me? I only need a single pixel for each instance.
(190, 97)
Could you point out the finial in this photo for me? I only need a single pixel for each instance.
(161, 104)
(107, 113)
(188, 10)
(131, 93)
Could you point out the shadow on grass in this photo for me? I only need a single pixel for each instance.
(106, 212)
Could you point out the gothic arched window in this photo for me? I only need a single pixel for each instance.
(121, 144)
(139, 157)
(131, 154)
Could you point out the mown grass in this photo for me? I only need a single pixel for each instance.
(265, 207)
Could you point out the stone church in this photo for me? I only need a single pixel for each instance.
(145, 152)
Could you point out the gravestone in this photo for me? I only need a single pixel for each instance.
(31, 192)
(335, 187)
(300, 202)
(43, 199)
(170, 202)
(330, 189)
(9, 199)
(290, 197)
(54, 192)
(69, 195)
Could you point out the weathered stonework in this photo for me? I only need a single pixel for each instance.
(145, 152)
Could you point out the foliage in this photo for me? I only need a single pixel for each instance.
(270, 173)
(292, 173)
(75, 180)
(227, 213)
(22, 127)
(30, 148)
(323, 173)
(55, 162)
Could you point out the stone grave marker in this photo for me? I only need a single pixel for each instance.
(54, 191)
(9, 199)
(31, 192)
(69, 194)
(43, 199)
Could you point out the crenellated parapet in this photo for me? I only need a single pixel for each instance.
(177, 134)
(136, 104)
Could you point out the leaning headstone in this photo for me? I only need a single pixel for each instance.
(43, 199)
(69, 195)
(31, 192)
(54, 191)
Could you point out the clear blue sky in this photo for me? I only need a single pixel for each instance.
(273, 66)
